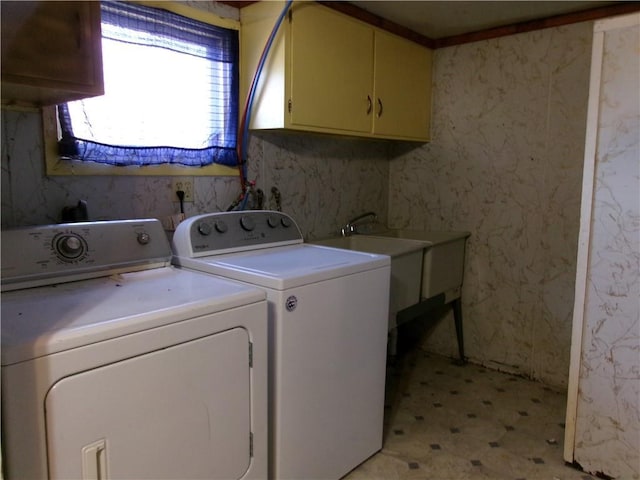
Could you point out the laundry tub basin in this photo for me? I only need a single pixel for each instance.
(406, 263)
(443, 260)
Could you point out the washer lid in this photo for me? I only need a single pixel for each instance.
(281, 268)
(44, 320)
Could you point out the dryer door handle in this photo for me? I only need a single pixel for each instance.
(94, 460)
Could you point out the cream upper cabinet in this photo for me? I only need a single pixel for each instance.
(402, 86)
(330, 73)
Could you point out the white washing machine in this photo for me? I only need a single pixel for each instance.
(116, 364)
(327, 335)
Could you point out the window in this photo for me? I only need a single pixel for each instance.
(171, 96)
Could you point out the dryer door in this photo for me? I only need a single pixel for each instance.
(180, 412)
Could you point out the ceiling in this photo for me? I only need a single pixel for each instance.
(439, 19)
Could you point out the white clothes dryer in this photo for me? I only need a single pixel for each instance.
(115, 364)
(328, 313)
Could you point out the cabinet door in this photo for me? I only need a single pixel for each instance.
(402, 88)
(331, 70)
(51, 51)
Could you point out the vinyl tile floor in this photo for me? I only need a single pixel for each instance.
(444, 421)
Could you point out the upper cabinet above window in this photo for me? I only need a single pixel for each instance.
(51, 52)
(330, 73)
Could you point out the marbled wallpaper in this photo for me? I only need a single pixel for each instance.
(505, 163)
(323, 181)
(607, 437)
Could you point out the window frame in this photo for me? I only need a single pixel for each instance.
(57, 166)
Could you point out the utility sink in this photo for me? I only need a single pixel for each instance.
(406, 264)
(426, 271)
(443, 260)
(383, 245)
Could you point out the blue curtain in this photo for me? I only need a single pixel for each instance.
(153, 29)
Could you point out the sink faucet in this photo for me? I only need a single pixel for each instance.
(352, 225)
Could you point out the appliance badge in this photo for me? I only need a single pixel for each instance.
(291, 303)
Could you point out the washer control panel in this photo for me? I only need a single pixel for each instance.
(54, 252)
(217, 233)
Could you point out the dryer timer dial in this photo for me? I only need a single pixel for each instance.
(69, 246)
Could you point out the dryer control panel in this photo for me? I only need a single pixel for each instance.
(48, 254)
(226, 232)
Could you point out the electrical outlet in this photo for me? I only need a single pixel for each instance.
(186, 185)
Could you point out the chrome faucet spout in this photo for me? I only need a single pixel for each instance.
(359, 218)
(352, 225)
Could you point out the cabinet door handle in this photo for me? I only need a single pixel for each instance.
(369, 104)
(379, 108)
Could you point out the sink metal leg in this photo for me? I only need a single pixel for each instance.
(422, 310)
(457, 316)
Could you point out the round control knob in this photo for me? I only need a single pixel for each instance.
(204, 228)
(286, 222)
(221, 227)
(247, 223)
(70, 246)
(272, 221)
(143, 238)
